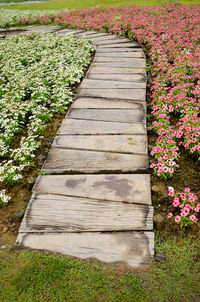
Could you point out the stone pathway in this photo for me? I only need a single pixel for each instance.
(96, 202)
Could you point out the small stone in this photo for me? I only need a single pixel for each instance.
(49, 139)
(31, 179)
(41, 159)
(159, 221)
(19, 213)
(3, 229)
(160, 188)
(160, 257)
(180, 242)
(5, 246)
(155, 188)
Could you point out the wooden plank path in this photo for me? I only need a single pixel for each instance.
(96, 202)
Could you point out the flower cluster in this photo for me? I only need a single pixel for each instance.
(171, 35)
(186, 207)
(4, 199)
(10, 17)
(37, 73)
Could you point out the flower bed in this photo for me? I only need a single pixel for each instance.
(37, 73)
(171, 35)
(10, 17)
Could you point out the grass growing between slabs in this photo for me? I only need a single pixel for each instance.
(39, 276)
(72, 4)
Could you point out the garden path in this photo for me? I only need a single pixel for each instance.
(96, 202)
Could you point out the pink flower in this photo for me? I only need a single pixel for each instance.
(187, 190)
(169, 215)
(193, 218)
(177, 218)
(176, 202)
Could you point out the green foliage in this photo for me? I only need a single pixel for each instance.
(40, 277)
(72, 4)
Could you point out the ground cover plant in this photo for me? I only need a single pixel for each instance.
(35, 276)
(35, 84)
(174, 52)
(77, 4)
(11, 17)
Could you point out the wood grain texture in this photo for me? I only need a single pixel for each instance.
(134, 116)
(116, 50)
(111, 41)
(116, 70)
(64, 160)
(128, 188)
(131, 248)
(103, 59)
(53, 213)
(118, 77)
(118, 55)
(124, 94)
(136, 144)
(78, 127)
(100, 103)
(120, 45)
(91, 84)
(134, 63)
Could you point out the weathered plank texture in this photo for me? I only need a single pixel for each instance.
(136, 62)
(116, 70)
(100, 103)
(118, 55)
(64, 160)
(118, 77)
(133, 116)
(78, 127)
(131, 248)
(126, 94)
(136, 144)
(120, 44)
(128, 188)
(74, 214)
(92, 84)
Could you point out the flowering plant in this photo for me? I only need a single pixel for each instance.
(174, 52)
(37, 73)
(186, 207)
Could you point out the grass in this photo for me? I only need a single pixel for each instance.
(40, 276)
(75, 4)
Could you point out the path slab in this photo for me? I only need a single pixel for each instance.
(136, 62)
(81, 161)
(128, 188)
(118, 77)
(134, 116)
(68, 31)
(80, 126)
(118, 49)
(111, 41)
(124, 94)
(136, 144)
(91, 84)
(93, 35)
(131, 248)
(118, 55)
(119, 45)
(73, 214)
(132, 60)
(116, 70)
(100, 103)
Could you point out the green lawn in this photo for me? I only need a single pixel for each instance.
(39, 276)
(74, 4)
